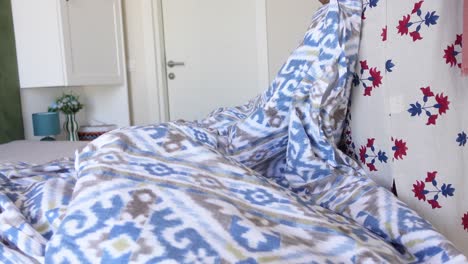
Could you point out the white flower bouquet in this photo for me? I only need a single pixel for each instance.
(67, 103)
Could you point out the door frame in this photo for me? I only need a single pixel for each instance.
(156, 58)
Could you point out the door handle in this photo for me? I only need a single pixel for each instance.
(171, 64)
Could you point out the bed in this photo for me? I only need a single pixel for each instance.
(260, 183)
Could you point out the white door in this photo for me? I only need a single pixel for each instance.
(222, 45)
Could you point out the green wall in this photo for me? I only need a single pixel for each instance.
(11, 121)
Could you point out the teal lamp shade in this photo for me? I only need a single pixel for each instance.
(46, 124)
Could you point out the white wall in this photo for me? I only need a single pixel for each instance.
(287, 22)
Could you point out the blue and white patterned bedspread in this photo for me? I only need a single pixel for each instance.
(260, 183)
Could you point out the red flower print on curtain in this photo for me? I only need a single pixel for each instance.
(384, 34)
(368, 155)
(399, 149)
(370, 78)
(412, 23)
(441, 105)
(423, 191)
(418, 189)
(417, 7)
(452, 51)
(465, 222)
(400, 39)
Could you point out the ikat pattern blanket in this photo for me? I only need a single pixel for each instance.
(259, 183)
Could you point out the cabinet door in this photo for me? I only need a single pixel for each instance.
(92, 35)
(38, 43)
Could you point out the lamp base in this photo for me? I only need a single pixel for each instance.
(48, 138)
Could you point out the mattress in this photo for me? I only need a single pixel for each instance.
(38, 152)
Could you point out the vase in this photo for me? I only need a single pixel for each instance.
(71, 127)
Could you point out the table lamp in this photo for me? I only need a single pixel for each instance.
(46, 124)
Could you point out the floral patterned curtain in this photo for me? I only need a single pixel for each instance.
(409, 110)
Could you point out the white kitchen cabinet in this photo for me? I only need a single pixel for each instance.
(68, 42)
